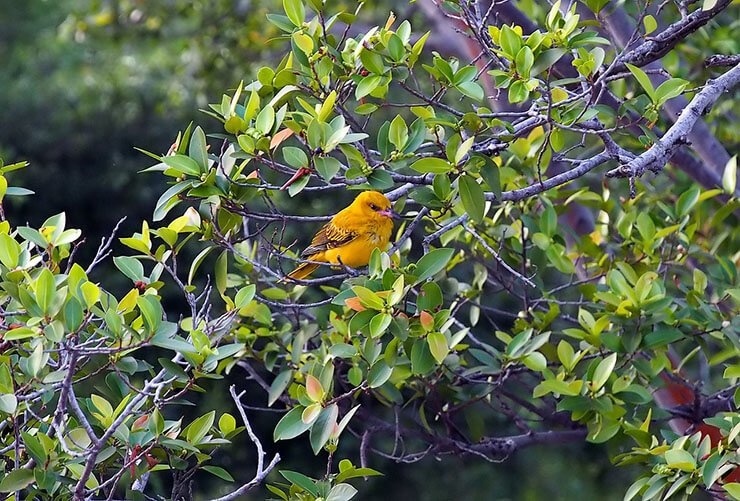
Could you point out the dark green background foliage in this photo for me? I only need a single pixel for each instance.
(84, 82)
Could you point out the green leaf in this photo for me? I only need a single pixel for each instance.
(549, 221)
(327, 107)
(226, 423)
(34, 447)
(327, 167)
(729, 177)
(19, 333)
(8, 403)
(302, 481)
(198, 149)
(322, 427)
(422, 361)
(524, 61)
(471, 89)
(432, 165)
(291, 425)
(546, 59)
(566, 354)
(438, 346)
(553, 15)
(298, 186)
(168, 200)
(130, 266)
(396, 48)
(183, 164)
(372, 61)
(295, 11)
(167, 338)
(572, 388)
(710, 472)
(380, 179)
(518, 92)
(221, 269)
(635, 488)
(17, 480)
(45, 290)
(733, 489)
(174, 369)
(556, 254)
(265, 120)
(473, 197)
(368, 298)
(341, 492)
(669, 89)
(378, 374)
(6, 380)
(379, 323)
(643, 80)
(490, 172)
(645, 226)
(366, 109)
(311, 412)
(151, 311)
(348, 471)
(650, 24)
(619, 285)
(510, 42)
(219, 472)
(244, 296)
(367, 85)
(278, 386)
(398, 132)
(342, 350)
(662, 336)
(516, 347)
(602, 372)
(10, 251)
(432, 263)
(197, 430)
(295, 157)
(102, 405)
(680, 459)
(417, 134)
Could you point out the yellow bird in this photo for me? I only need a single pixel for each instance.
(351, 235)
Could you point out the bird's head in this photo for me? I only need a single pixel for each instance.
(374, 204)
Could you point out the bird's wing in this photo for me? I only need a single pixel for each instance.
(330, 236)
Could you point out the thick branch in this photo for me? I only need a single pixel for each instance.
(567, 176)
(655, 158)
(658, 46)
(722, 60)
(621, 28)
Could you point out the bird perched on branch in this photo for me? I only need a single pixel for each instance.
(351, 235)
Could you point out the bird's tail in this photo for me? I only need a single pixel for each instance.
(302, 271)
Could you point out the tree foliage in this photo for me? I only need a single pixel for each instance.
(553, 281)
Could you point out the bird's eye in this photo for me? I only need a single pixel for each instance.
(373, 207)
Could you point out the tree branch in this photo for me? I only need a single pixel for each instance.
(658, 46)
(262, 471)
(656, 157)
(722, 60)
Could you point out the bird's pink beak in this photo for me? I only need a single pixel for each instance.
(390, 213)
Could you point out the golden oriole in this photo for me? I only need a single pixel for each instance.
(351, 235)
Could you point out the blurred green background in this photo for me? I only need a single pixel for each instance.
(84, 82)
